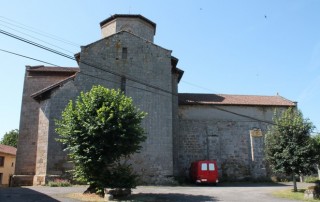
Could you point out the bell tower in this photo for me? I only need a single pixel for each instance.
(135, 24)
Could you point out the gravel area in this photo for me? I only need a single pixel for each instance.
(223, 192)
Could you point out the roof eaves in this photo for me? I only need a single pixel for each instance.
(113, 17)
(42, 68)
(235, 104)
(41, 94)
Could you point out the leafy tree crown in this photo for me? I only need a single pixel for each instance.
(289, 149)
(101, 127)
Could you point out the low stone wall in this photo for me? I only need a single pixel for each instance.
(313, 192)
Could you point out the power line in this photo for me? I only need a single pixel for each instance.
(218, 108)
(39, 32)
(195, 85)
(28, 57)
(120, 83)
(105, 70)
(35, 44)
(36, 38)
(111, 72)
(112, 81)
(46, 35)
(72, 58)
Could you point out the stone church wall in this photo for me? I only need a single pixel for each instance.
(144, 62)
(29, 118)
(208, 132)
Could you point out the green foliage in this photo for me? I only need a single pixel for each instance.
(289, 148)
(316, 142)
(11, 138)
(98, 130)
(310, 179)
(59, 183)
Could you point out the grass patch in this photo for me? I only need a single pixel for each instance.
(311, 179)
(289, 194)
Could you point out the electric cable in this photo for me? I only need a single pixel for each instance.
(72, 58)
(218, 108)
(39, 32)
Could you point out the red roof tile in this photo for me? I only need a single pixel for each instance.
(8, 149)
(221, 99)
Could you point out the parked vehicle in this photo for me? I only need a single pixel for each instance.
(204, 171)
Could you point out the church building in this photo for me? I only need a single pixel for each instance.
(180, 127)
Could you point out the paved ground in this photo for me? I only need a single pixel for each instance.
(230, 192)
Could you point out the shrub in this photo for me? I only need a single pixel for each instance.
(311, 179)
(59, 183)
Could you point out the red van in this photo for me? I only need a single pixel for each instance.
(205, 171)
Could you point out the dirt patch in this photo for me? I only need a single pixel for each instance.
(85, 197)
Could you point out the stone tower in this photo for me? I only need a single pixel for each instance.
(135, 24)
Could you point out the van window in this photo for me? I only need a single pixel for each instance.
(204, 166)
(211, 166)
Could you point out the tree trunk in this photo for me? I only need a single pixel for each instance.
(301, 178)
(295, 189)
(318, 166)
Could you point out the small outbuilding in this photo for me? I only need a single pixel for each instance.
(7, 164)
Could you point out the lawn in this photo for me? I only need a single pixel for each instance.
(289, 194)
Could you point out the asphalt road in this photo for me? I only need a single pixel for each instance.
(231, 192)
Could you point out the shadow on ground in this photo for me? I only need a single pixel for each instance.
(168, 197)
(18, 194)
(242, 184)
(253, 184)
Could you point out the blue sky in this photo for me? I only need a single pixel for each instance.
(227, 47)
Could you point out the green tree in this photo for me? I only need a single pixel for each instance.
(99, 130)
(11, 138)
(316, 139)
(289, 148)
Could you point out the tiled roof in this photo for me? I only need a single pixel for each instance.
(8, 149)
(221, 99)
(42, 68)
(126, 16)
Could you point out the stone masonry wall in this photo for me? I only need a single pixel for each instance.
(150, 64)
(136, 26)
(145, 62)
(28, 136)
(52, 161)
(208, 133)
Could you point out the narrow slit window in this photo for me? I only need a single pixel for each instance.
(124, 53)
(123, 84)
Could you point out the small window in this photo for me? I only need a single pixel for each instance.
(124, 53)
(1, 174)
(123, 84)
(211, 166)
(12, 164)
(1, 160)
(204, 166)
